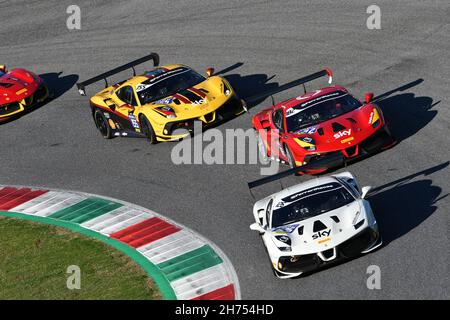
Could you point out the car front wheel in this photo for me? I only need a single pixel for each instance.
(102, 124)
(147, 129)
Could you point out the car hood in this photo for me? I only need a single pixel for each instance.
(341, 132)
(201, 97)
(325, 231)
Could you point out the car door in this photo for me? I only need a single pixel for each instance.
(127, 105)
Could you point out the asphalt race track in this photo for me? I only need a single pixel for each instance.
(258, 45)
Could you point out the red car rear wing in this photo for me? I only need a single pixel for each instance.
(330, 161)
(130, 65)
(292, 84)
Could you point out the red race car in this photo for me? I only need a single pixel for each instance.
(328, 124)
(20, 90)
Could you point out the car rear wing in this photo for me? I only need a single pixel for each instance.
(130, 65)
(330, 161)
(301, 81)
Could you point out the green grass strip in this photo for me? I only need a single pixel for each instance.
(153, 271)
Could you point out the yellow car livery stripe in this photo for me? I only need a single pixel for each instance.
(303, 143)
(21, 91)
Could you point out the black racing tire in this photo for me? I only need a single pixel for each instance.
(102, 124)
(290, 157)
(147, 129)
(291, 160)
(262, 150)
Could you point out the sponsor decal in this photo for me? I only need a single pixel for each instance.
(288, 229)
(320, 234)
(133, 121)
(168, 100)
(292, 111)
(322, 98)
(343, 133)
(347, 140)
(152, 81)
(309, 130)
(201, 101)
(142, 86)
(315, 93)
(324, 240)
(168, 73)
(193, 98)
(325, 187)
(21, 91)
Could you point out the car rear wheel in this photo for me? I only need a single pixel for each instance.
(291, 160)
(263, 156)
(147, 129)
(290, 157)
(102, 124)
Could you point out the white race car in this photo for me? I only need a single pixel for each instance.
(316, 223)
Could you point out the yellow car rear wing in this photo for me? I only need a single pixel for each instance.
(130, 65)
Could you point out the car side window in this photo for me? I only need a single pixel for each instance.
(277, 118)
(126, 94)
(268, 210)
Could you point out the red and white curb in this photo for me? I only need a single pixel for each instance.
(194, 267)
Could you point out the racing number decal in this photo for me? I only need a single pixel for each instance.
(134, 122)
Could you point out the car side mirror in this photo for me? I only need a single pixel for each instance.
(365, 191)
(209, 72)
(368, 97)
(257, 227)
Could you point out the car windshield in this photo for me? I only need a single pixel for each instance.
(308, 206)
(171, 82)
(306, 115)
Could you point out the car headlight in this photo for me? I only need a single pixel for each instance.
(286, 240)
(374, 118)
(306, 143)
(167, 111)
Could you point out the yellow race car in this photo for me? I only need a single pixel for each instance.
(159, 103)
